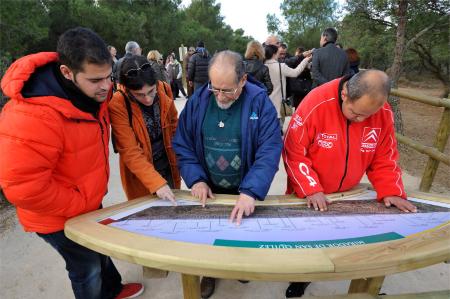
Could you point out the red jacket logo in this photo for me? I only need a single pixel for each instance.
(325, 140)
(370, 137)
(327, 136)
(298, 121)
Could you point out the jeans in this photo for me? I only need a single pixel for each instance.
(93, 275)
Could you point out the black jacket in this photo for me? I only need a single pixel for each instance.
(260, 72)
(198, 66)
(301, 85)
(328, 63)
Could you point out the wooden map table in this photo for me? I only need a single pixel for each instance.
(366, 265)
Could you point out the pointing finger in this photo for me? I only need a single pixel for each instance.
(203, 199)
(233, 214)
(239, 216)
(247, 211)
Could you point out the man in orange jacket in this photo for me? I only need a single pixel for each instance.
(54, 135)
(341, 130)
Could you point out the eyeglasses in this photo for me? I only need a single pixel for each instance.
(141, 96)
(228, 93)
(135, 72)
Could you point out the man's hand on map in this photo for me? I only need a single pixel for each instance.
(400, 203)
(202, 191)
(318, 200)
(244, 204)
(166, 193)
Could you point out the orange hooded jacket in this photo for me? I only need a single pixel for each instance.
(53, 156)
(139, 177)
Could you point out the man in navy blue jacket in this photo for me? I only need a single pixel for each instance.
(228, 138)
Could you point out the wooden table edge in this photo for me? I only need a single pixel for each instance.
(333, 262)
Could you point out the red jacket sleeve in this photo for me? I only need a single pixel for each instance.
(302, 179)
(384, 172)
(30, 146)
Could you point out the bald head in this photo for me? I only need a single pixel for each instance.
(272, 40)
(364, 95)
(228, 63)
(374, 84)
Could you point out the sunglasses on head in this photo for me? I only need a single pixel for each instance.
(135, 72)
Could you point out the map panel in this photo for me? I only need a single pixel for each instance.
(347, 223)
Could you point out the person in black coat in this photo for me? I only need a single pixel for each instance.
(329, 62)
(302, 84)
(198, 66)
(254, 65)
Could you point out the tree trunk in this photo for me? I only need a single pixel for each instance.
(396, 68)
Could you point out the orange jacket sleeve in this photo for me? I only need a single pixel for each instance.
(131, 152)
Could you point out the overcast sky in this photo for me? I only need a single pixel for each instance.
(249, 15)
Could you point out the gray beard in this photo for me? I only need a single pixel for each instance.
(224, 106)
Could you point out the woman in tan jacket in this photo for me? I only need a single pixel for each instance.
(144, 119)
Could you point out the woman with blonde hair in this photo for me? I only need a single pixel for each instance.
(254, 64)
(156, 61)
(144, 120)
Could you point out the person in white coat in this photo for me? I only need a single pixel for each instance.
(278, 73)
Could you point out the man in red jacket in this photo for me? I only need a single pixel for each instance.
(54, 135)
(341, 130)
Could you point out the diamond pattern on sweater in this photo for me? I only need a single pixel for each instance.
(224, 183)
(222, 163)
(236, 163)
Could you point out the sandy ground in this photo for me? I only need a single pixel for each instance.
(29, 268)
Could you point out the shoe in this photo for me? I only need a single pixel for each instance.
(296, 289)
(243, 281)
(131, 290)
(207, 287)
